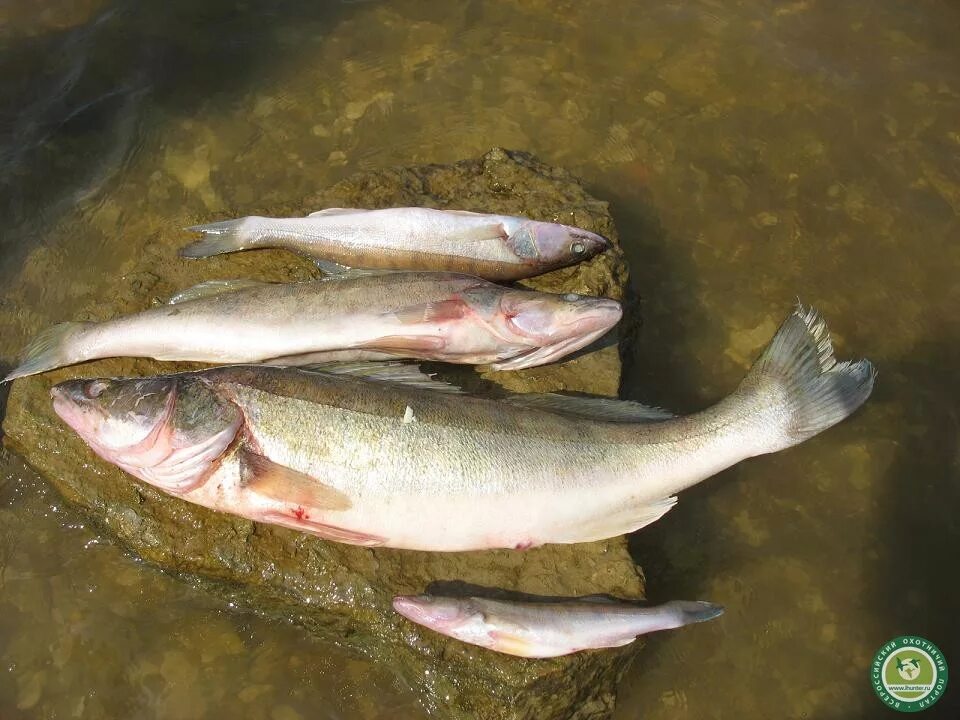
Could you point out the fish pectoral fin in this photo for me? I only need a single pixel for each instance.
(440, 311)
(278, 482)
(626, 519)
(592, 408)
(510, 639)
(510, 644)
(337, 211)
(495, 231)
(210, 288)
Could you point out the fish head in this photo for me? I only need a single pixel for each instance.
(553, 325)
(457, 617)
(552, 245)
(165, 430)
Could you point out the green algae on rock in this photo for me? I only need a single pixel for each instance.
(342, 592)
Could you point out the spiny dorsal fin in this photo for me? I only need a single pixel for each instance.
(267, 478)
(396, 373)
(592, 408)
(211, 288)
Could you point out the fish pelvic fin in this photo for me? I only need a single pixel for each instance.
(225, 236)
(50, 349)
(797, 388)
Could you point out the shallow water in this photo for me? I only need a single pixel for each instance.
(753, 152)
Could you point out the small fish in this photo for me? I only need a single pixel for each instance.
(495, 247)
(548, 629)
(388, 456)
(428, 316)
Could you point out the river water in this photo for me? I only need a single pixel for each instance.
(753, 152)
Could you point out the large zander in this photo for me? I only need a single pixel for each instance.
(388, 463)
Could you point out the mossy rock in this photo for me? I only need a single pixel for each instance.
(340, 592)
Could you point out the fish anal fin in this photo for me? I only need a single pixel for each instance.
(278, 482)
(301, 521)
(336, 271)
(627, 518)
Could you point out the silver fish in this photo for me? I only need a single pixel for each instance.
(548, 629)
(429, 316)
(495, 247)
(408, 463)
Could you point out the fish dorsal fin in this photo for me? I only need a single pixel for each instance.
(337, 211)
(599, 599)
(211, 288)
(493, 231)
(394, 373)
(592, 408)
(278, 482)
(336, 271)
(468, 213)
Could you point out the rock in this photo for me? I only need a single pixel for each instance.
(343, 592)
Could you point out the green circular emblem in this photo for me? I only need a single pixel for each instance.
(909, 673)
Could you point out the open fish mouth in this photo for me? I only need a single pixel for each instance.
(550, 353)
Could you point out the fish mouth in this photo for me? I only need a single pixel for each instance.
(422, 610)
(550, 353)
(68, 405)
(584, 330)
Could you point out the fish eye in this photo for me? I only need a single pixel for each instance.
(571, 297)
(94, 388)
(578, 248)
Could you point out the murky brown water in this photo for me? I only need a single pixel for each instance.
(754, 152)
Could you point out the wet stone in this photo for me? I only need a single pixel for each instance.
(338, 592)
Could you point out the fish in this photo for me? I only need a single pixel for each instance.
(494, 247)
(548, 629)
(428, 316)
(396, 458)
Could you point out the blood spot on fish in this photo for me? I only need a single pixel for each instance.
(300, 514)
(525, 545)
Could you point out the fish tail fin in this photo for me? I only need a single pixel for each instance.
(48, 350)
(225, 236)
(797, 388)
(688, 612)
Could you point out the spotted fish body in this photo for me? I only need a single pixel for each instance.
(399, 462)
(495, 247)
